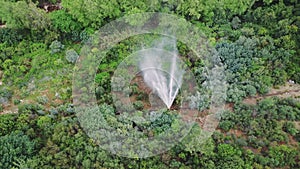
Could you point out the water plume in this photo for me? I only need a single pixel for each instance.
(162, 70)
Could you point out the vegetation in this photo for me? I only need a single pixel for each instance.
(257, 40)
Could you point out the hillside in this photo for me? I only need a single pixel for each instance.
(150, 84)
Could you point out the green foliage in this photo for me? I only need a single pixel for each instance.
(227, 151)
(10, 36)
(15, 146)
(29, 108)
(92, 13)
(289, 127)
(250, 90)
(256, 40)
(45, 124)
(23, 15)
(199, 101)
(71, 56)
(62, 21)
(5, 94)
(16, 101)
(103, 79)
(225, 125)
(7, 124)
(56, 46)
(139, 105)
(282, 155)
(42, 100)
(234, 94)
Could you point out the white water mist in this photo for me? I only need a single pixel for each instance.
(162, 71)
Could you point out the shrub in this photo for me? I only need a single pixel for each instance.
(5, 92)
(139, 105)
(250, 90)
(10, 36)
(199, 101)
(53, 111)
(42, 100)
(234, 94)
(56, 47)
(226, 125)
(17, 101)
(29, 108)
(63, 21)
(15, 146)
(241, 142)
(103, 79)
(282, 155)
(7, 123)
(44, 122)
(226, 151)
(71, 56)
(289, 127)
(5, 95)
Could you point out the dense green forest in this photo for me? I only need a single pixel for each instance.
(257, 41)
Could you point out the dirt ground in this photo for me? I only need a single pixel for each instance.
(288, 90)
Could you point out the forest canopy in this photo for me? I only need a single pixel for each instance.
(257, 41)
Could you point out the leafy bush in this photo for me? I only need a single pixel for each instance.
(10, 36)
(92, 14)
(227, 151)
(63, 21)
(236, 57)
(241, 142)
(42, 100)
(5, 95)
(15, 146)
(250, 90)
(71, 56)
(289, 127)
(235, 94)
(7, 123)
(199, 101)
(44, 123)
(226, 125)
(17, 102)
(29, 108)
(139, 105)
(23, 15)
(282, 155)
(56, 47)
(103, 79)
(6, 92)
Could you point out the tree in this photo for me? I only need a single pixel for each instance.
(282, 155)
(226, 125)
(7, 123)
(226, 151)
(92, 13)
(229, 157)
(289, 127)
(15, 146)
(23, 15)
(62, 21)
(71, 56)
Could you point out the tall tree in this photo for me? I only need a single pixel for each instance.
(23, 15)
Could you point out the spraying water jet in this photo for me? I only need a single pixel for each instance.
(162, 70)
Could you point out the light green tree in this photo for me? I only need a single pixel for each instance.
(23, 15)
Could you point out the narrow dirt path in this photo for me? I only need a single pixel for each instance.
(288, 90)
(285, 91)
